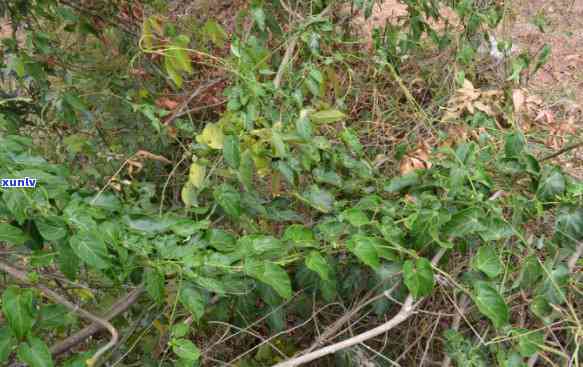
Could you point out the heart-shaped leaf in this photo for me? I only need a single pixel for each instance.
(418, 277)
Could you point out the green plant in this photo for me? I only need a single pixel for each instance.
(280, 205)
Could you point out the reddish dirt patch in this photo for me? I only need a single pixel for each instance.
(560, 81)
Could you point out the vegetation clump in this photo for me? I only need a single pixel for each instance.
(266, 184)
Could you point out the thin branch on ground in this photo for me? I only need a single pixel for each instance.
(333, 329)
(55, 297)
(566, 149)
(404, 313)
(117, 309)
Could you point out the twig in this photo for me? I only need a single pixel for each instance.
(289, 51)
(404, 313)
(55, 297)
(334, 327)
(428, 344)
(571, 264)
(196, 92)
(118, 308)
(562, 151)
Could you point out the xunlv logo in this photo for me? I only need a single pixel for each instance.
(18, 182)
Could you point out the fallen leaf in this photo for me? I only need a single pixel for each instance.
(166, 103)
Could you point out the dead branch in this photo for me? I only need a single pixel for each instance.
(404, 313)
(333, 329)
(118, 308)
(55, 297)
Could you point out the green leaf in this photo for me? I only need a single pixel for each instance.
(221, 240)
(75, 102)
(491, 304)
(67, 259)
(278, 144)
(515, 144)
(186, 350)
(496, 229)
(551, 184)
(187, 227)
(35, 353)
(327, 116)
(259, 17)
(105, 200)
(270, 274)
(193, 301)
(7, 342)
(178, 55)
(519, 64)
(541, 307)
(355, 217)
(418, 277)
(261, 244)
(232, 151)
(154, 284)
(18, 310)
(246, 170)
(228, 199)
(286, 171)
(51, 228)
(402, 182)
(215, 33)
(555, 283)
(487, 261)
(13, 235)
(180, 330)
(91, 249)
(55, 316)
(350, 138)
(319, 199)
(365, 249)
(569, 223)
(529, 342)
(530, 272)
(304, 126)
(300, 235)
(317, 263)
(464, 223)
(148, 224)
(278, 278)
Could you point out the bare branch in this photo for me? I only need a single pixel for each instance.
(55, 297)
(118, 308)
(404, 313)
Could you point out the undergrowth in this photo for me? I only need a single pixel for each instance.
(276, 182)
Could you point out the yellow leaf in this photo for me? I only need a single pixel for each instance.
(211, 135)
(196, 175)
(188, 195)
